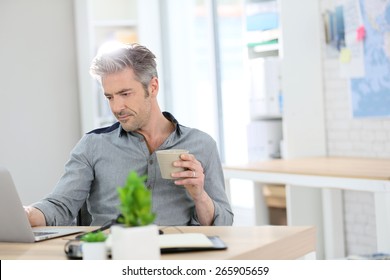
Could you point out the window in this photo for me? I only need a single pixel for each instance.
(206, 83)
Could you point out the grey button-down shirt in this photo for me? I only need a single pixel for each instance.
(103, 158)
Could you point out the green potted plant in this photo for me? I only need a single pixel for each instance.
(136, 237)
(97, 236)
(94, 246)
(135, 202)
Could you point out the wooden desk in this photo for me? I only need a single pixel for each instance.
(328, 173)
(266, 242)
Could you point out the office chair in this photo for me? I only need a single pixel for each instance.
(84, 218)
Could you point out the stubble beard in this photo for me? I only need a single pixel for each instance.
(137, 122)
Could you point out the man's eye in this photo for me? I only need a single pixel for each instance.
(124, 94)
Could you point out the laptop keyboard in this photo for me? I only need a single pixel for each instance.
(40, 233)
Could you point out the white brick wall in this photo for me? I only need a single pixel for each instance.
(359, 218)
(352, 137)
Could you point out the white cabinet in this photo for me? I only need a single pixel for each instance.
(262, 35)
(264, 138)
(265, 130)
(299, 49)
(266, 98)
(303, 122)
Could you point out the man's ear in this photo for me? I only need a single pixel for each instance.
(153, 86)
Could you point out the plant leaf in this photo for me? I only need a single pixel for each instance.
(135, 201)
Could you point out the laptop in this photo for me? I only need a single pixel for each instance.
(14, 224)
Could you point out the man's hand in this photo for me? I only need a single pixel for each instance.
(193, 180)
(35, 216)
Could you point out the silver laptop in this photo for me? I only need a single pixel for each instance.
(15, 226)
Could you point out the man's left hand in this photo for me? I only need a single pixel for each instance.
(192, 178)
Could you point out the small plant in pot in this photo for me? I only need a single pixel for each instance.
(98, 236)
(94, 246)
(136, 237)
(135, 202)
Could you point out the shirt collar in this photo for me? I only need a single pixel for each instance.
(167, 115)
(172, 119)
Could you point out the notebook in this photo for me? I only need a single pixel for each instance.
(189, 242)
(14, 224)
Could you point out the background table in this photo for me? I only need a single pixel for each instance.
(331, 175)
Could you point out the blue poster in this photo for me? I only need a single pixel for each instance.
(371, 95)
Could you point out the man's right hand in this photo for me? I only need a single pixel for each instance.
(35, 216)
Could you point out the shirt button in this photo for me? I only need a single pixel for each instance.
(150, 161)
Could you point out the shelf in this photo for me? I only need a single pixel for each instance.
(262, 28)
(263, 51)
(266, 48)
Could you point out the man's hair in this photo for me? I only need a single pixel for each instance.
(115, 57)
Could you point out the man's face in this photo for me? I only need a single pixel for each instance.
(128, 100)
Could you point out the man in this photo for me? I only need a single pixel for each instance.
(102, 159)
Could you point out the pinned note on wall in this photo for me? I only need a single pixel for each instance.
(351, 57)
(360, 33)
(345, 55)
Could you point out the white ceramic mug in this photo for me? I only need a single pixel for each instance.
(165, 160)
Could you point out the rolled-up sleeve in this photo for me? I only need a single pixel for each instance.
(215, 187)
(60, 207)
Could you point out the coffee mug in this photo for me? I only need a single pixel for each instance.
(165, 160)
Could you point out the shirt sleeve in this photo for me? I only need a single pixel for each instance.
(61, 206)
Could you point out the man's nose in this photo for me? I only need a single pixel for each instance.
(116, 105)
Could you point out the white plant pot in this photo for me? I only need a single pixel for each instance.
(94, 251)
(135, 243)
